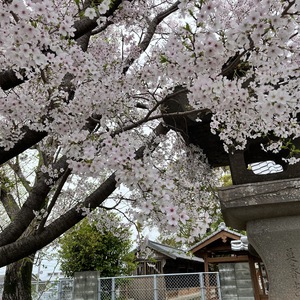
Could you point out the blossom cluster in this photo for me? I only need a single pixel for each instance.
(93, 79)
(241, 60)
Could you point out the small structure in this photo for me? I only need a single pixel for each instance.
(242, 274)
(155, 258)
(163, 259)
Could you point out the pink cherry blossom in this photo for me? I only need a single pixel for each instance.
(88, 83)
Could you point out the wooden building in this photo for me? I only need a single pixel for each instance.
(242, 275)
(163, 259)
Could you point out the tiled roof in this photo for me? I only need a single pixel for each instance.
(172, 252)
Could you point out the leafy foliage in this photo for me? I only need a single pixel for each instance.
(86, 248)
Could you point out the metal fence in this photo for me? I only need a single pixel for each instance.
(187, 286)
(50, 290)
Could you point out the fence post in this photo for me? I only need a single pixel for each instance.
(99, 289)
(37, 287)
(59, 290)
(113, 289)
(155, 287)
(219, 286)
(202, 287)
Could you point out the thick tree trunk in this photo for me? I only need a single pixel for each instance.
(17, 282)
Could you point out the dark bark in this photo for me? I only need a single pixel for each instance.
(17, 283)
(152, 26)
(29, 139)
(35, 202)
(82, 35)
(10, 205)
(32, 137)
(8, 80)
(30, 244)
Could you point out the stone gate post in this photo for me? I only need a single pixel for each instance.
(270, 212)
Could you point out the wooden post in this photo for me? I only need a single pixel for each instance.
(254, 279)
(205, 262)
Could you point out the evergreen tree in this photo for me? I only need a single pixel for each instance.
(86, 248)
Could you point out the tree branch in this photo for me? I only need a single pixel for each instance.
(34, 202)
(32, 137)
(8, 78)
(198, 112)
(17, 170)
(29, 139)
(30, 244)
(143, 45)
(286, 9)
(55, 197)
(10, 205)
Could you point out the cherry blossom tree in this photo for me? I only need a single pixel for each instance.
(84, 92)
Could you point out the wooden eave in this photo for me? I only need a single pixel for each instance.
(228, 259)
(223, 236)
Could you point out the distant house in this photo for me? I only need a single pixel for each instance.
(163, 259)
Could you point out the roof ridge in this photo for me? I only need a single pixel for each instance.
(165, 245)
(221, 227)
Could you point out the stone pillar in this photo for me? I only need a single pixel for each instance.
(277, 240)
(270, 212)
(86, 285)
